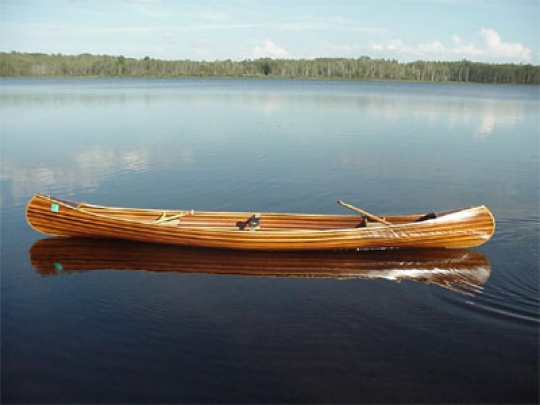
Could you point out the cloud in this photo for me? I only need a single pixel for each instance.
(419, 49)
(498, 49)
(493, 49)
(268, 50)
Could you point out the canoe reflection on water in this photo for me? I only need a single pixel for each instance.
(460, 270)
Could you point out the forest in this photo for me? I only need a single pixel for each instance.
(16, 64)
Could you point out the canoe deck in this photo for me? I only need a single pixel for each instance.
(266, 231)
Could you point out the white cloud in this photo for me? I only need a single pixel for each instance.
(398, 47)
(493, 49)
(433, 47)
(498, 49)
(467, 50)
(268, 50)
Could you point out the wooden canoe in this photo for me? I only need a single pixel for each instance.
(461, 228)
(460, 270)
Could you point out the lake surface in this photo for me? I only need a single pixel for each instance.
(100, 322)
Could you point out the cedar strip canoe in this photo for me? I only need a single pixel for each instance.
(460, 270)
(463, 228)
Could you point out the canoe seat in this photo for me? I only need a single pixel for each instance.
(373, 225)
(173, 220)
(251, 224)
(431, 215)
(363, 223)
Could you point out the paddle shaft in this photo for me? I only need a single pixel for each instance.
(367, 214)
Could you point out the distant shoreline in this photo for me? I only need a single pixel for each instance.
(35, 65)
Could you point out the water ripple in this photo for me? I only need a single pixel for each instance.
(512, 297)
(515, 230)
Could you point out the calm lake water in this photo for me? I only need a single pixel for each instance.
(128, 323)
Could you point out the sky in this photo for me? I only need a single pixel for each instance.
(494, 31)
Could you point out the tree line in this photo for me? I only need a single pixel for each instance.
(16, 64)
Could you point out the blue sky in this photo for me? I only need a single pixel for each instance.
(479, 30)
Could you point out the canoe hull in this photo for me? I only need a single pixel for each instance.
(460, 229)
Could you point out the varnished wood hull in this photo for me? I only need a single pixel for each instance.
(457, 269)
(458, 229)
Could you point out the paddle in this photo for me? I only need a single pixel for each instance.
(367, 214)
